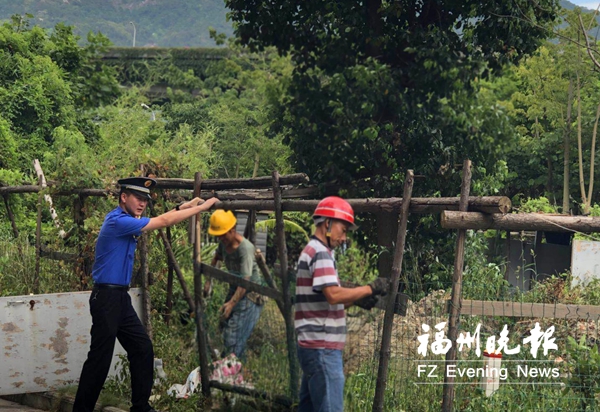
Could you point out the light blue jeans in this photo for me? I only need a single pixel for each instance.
(322, 387)
(239, 326)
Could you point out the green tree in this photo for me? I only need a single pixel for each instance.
(238, 97)
(44, 80)
(372, 79)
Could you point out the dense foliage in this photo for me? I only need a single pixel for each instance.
(349, 92)
(379, 87)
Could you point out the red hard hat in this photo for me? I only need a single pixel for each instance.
(335, 208)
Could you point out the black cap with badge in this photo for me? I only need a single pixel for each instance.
(142, 185)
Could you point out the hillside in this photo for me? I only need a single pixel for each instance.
(162, 23)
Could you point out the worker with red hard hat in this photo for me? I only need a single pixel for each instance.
(320, 318)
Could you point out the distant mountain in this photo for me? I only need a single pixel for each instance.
(161, 23)
(570, 6)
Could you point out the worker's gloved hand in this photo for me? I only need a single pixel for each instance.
(368, 302)
(380, 286)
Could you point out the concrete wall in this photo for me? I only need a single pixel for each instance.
(45, 339)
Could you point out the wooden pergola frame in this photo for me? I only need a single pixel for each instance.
(275, 193)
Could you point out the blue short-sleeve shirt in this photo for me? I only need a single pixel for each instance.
(115, 247)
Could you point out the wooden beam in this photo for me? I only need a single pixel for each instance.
(224, 184)
(247, 199)
(530, 310)
(497, 204)
(237, 281)
(280, 399)
(520, 221)
(53, 255)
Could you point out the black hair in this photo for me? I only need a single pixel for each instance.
(131, 192)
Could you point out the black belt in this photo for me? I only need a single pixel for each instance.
(111, 286)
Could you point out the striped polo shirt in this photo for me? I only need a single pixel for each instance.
(319, 325)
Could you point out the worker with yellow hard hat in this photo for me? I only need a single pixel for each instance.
(241, 310)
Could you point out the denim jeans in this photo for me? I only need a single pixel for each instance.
(239, 326)
(322, 388)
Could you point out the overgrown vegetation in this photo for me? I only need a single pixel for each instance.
(333, 109)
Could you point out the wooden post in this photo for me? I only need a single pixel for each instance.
(290, 331)
(83, 264)
(262, 265)
(507, 271)
(169, 300)
(388, 320)
(456, 301)
(146, 307)
(186, 293)
(11, 217)
(250, 232)
(387, 225)
(143, 255)
(38, 244)
(198, 289)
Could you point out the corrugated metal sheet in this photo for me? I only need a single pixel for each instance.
(261, 234)
(45, 340)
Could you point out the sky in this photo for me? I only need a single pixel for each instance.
(587, 4)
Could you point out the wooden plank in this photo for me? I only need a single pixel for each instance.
(530, 310)
(237, 281)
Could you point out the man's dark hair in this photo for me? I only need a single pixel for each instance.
(131, 192)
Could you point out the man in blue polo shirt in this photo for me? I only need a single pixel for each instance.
(113, 316)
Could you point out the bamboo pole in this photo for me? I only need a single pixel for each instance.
(521, 221)
(456, 301)
(388, 320)
(198, 288)
(290, 332)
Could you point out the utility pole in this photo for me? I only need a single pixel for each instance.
(133, 33)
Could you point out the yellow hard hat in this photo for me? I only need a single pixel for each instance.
(221, 222)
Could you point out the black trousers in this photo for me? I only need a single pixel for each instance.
(113, 317)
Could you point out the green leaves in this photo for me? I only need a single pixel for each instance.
(584, 367)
